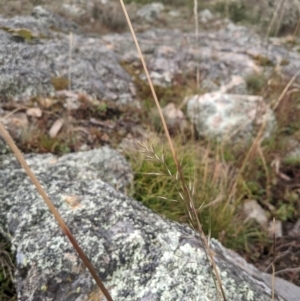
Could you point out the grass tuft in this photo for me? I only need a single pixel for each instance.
(7, 289)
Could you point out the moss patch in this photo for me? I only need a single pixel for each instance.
(22, 34)
(60, 83)
(7, 289)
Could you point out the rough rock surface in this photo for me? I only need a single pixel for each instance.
(220, 54)
(138, 254)
(36, 60)
(31, 64)
(230, 117)
(150, 12)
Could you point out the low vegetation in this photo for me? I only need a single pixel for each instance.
(7, 289)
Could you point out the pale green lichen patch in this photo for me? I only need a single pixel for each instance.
(60, 83)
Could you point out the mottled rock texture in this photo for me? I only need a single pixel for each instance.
(38, 57)
(220, 53)
(230, 117)
(150, 12)
(138, 254)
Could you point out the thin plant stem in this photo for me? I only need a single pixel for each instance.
(197, 39)
(273, 263)
(297, 27)
(279, 4)
(279, 21)
(53, 210)
(254, 146)
(268, 184)
(192, 212)
(285, 90)
(70, 59)
(70, 76)
(257, 141)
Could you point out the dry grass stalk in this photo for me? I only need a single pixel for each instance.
(285, 91)
(297, 27)
(265, 166)
(197, 38)
(53, 210)
(256, 145)
(186, 196)
(70, 60)
(279, 21)
(6, 262)
(258, 139)
(274, 17)
(274, 258)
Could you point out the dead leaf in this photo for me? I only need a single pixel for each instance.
(73, 201)
(284, 176)
(46, 102)
(105, 137)
(34, 112)
(276, 165)
(56, 127)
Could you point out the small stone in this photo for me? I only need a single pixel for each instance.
(254, 211)
(205, 16)
(295, 231)
(237, 85)
(230, 117)
(150, 12)
(174, 117)
(73, 10)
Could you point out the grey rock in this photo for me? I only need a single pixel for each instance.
(295, 231)
(30, 66)
(237, 85)
(138, 254)
(174, 13)
(254, 211)
(205, 16)
(220, 53)
(175, 118)
(208, 85)
(73, 10)
(151, 11)
(230, 117)
(48, 19)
